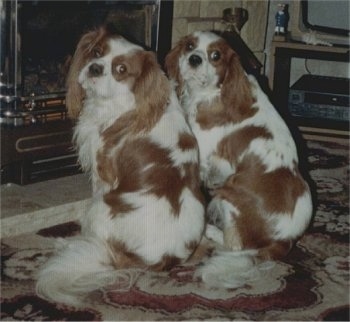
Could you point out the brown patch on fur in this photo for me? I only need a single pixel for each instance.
(113, 136)
(212, 114)
(128, 161)
(152, 91)
(203, 250)
(105, 169)
(187, 141)
(172, 60)
(226, 54)
(167, 263)
(150, 167)
(192, 245)
(192, 180)
(122, 127)
(88, 44)
(149, 84)
(275, 250)
(236, 94)
(277, 190)
(124, 258)
(234, 144)
(252, 228)
(257, 194)
(117, 203)
(199, 250)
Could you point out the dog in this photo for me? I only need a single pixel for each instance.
(147, 208)
(248, 160)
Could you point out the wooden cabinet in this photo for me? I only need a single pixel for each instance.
(282, 54)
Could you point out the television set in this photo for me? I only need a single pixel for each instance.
(329, 20)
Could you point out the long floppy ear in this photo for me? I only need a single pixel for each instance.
(236, 92)
(75, 93)
(152, 91)
(172, 67)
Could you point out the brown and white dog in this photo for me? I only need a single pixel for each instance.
(248, 159)
(147, 210)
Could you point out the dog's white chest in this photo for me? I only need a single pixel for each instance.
(207, 139)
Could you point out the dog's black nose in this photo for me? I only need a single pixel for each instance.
(95, 70)
(195, 60)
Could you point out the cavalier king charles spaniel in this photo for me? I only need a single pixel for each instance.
(248, 160)
(147, 210)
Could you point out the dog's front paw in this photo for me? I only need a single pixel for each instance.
(214, 213)
(215, 234)
(216, 172)
(214, 179)
(232, 238)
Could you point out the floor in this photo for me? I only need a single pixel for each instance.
(42, 204)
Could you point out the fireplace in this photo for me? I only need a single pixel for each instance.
(39, 38)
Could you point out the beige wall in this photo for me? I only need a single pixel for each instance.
(192, 15)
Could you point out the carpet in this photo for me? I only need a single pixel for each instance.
(312, 283)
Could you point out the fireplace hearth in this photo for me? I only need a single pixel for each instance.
(39, 38)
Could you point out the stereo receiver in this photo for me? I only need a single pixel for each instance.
(320, 98)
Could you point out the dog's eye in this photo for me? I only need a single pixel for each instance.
(97, 52)
(121, 69)
(189, 46)
(215, 55)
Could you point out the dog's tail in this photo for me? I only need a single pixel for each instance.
(80, 267)
(232, 269)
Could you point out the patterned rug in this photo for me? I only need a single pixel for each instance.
(312, 283)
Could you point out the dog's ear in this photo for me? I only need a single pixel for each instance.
(151, 89)
(236, 92)
(75, 93)
(172, 67)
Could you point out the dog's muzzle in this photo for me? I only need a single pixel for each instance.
(95, 70)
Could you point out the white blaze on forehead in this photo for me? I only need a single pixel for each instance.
(205, 38)
(120, 46)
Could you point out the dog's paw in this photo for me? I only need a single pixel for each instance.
(214, 178)
(232, 238)
(216, 172)
(214, 213)
(215, 234)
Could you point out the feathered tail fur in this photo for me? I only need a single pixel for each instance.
(232, 269)
(80, 267)
(235, 268)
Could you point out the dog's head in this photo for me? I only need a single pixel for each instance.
(205, 60)
(106, 66)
